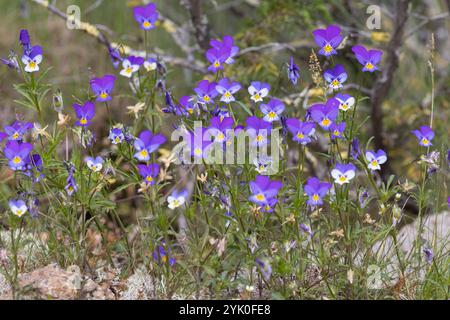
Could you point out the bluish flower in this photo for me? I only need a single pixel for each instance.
(146, 16)
(425, 135)
(17, 130)
(335, 76)
(227, 42)
(369, 59)
(18, 207)
(115, 56)
(18, 154)
(146, 144)
(337, 130)
(11, 61)
(131, 65)
(293, 71)
(177, 198)
(264, 192)
(95, 164)
(199, 143)
(328, 39)
(258, 91)
(71, 185)
(32, 59)
(206, 91)
(355, 151)
(363, 198)
(220, 128)
(227, 89)
(102, 87)
(258, 130)
(217, 58)
(162, 256)
(343, 173)
(316, 190)
(325, 114)
(272, 110)
(149, 172)
(375, 159)
(84, 113)
(265, 268)
(346, 101)
(35, 167)
(116, 135)
(185, 107)
(151, 64)
(302, 132)
(24, 40)
(428, 255)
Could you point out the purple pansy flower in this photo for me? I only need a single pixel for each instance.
(161, 256)
(11, 61)
(199, 143)
(32, 58)
(337, 130)
(35, 163)
(425, 134)
(151, 64)
(131, 65)
(115, 56)
(146, 144)
(272, 110)
(346, 101)
(264, 192)
(328, 39)
(302, 132)
(258, 130)
(228, 43)
(217, 58)
(146, 16)
(149, 172)
(206, 91)
(220, 128)
(185, 107)
(17, 130)
(316, 190)
(375, 159)
(71, 185)
(325, 114)
(367, 58)
(24, 40)
(343, 173)
(335, 76)
(227, 89)
(95, 164)
(102, 87)
(18, 207)
(355, 151)
(84, 113)
(293, 71)
(18, 154)
(116, 135)
(258, 91)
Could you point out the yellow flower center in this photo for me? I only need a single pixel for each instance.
(17, 160)
(146, 24)
(164, 258)
(144, 153)
(326, 122)
(206, 98)
(227, 94)
(117, 139)
(315, 197)
(15, 135)
(260, 197)
(344, 106)
(328, 48)
(425, 141)
(220, 136)
(83, 121)
(149, 179)
(32, 64)
(300, 135)
(369, 66)
(18, 212)
(267, 207)
(198, 151)
(342, 179)
(103, 95)
(272, 114)
(336, 133)
(335, 83)
(259, 138)
(216, 64)
(374, 163)
(129, 70)
(256, 97)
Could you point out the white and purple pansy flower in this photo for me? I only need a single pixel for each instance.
(102, 87)
(335, 76)
(32, 58)
(337, 130)
(206, 91)
(258, 130)
(264, 192)
(425, 135)
(258, 91)
(272, 110)
(375, 159)
(316, 190)
(220, 128)
(343, 173)
(227, 89)
(131, 65)
(227, 45)
(18, 207)
(302, 132)
(17, 130)
(18, 154)
(95, 164)
(116, 135)
(177, 198)
(346, 101)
